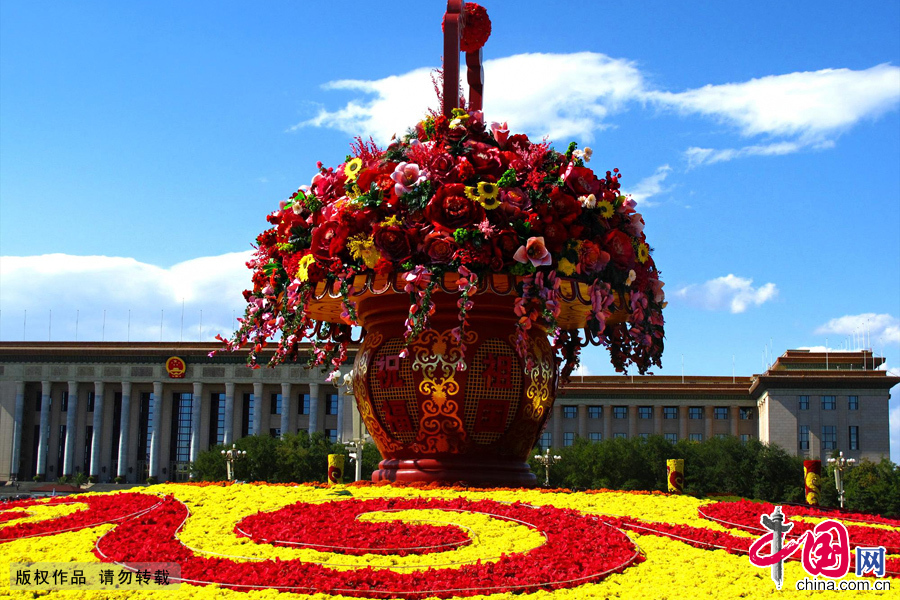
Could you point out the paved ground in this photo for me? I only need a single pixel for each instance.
(25, 489)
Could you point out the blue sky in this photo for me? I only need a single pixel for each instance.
(141, 147)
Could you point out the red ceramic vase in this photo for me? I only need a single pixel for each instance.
(435, 422)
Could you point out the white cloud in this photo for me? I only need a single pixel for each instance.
(732, 293)
(64, 284)
(810, 105)
(565, 96)
(555, 95)
(880, 328)
(651, 186)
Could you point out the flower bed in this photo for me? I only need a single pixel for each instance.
(380, 541)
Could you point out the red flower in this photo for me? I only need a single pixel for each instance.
(506, 243)
(328, 241)
(485, 158)
(442, 169)
(394, 243)
(563, 207)
(591, 259)
(440, 247)
(618, 244)
(582, 181)
(449, 209)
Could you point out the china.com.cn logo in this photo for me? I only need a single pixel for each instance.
(826, 550)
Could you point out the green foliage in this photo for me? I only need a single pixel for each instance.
(869, 487)
(296, 458)
(152, 480)
(79, 479)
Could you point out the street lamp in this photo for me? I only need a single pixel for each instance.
(356, 452)
(839, 464)
(231, 456)
(547, 460)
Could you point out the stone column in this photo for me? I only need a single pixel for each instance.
(229, 414)
(71, 420)
(97, 437)
(340, 415)
(557, 421)
(44, 430)
(632, 421)
(156, 435)
(287, 408)
(17, 430)
(683, 422)
(313, 408)
(257, 408)
(124, 429)
(709, 415)
(196, 405)
(582, 420)
(657, 420)
(735, 418)
(607, 421)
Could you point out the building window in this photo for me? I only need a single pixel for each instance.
(64, 407)
(828, 403)
(852, 403)
(672, 437)
(594, 412)
(619, 436)
(247, 415)
(331, 404)
(88, 438)
(304, 404)
(854, 437)
(90, 406)
(331, 434)
(181, 427)
(546, 440)
(720, 413)
(275, 404)
(645, 412)
(275, 432)
(146, 428)
(695, 412)
(61, 453)
(570, 412)
(721, 436)
(619, 412)
(745, 437)
(568, 438)
(644, 436)
(596, 436)
(803, 437)
(670, 412)
(216, 419)
(696, 437)
(829, 437)
(804, 402)
(746, 414)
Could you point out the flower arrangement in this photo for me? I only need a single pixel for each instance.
(457, 201)
(375, 541)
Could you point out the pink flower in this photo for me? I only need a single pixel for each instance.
(501, 133)
(407, 176)
(535, 251)
(418, 278)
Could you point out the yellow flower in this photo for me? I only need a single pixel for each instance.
(352, 168)
(643, 252)
(391, 221)
(363, 248)
(303, 267)
(566, 267)
(606, 209)
(488, 195)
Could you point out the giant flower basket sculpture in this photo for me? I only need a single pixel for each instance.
(472, 260)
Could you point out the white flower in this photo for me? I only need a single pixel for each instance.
(589, 201)
(631, 277)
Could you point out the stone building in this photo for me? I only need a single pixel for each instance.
(96, 404)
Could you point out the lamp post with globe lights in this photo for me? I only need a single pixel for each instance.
(232, 455)
(548, 461)
(839, 464)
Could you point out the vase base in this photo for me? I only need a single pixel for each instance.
(450, 471)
